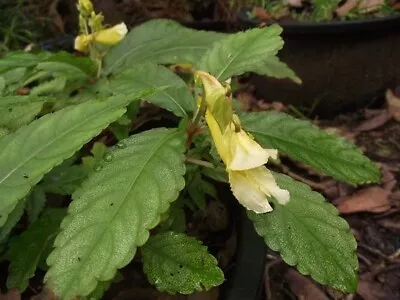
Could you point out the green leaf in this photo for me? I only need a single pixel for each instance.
(273, 67)
(160, 42)
(242, 52)
(36, 238)
(14, 117)
(11, 101)
(177, 263)
(12, 220)
(64, 179)
(49, 87)
(33, 150)
(175, 98)
(19, 59)
(303, 141)
(310, 235)
(113, 211)
(35, 203)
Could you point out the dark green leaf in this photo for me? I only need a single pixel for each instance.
(303, 141)
(177, 263)
(310, 235)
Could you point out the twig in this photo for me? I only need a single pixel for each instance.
(200, 162)
(374, 251)
(387, 269)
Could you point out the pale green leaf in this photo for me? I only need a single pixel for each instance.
(12, 220)
(161, 42)
(64, 179)
(242, 52)
(13, 117)
(310, 235)
(177, 263)
(175, 98)
(49, 87)
(273, 67)
(115, 208)
(36, 238)
(35, 203)
(303, 141)
(33, 150)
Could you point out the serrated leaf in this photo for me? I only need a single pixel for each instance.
(310, 235)
(12, 220)
(177, 263)
(160, 42)
(303, 141)
(36, 238)
(33, 150)
(14, 117)
(242, 52)
(64, 179)
(112, 213)
(274, 67)
(175, 98)
(35, 203)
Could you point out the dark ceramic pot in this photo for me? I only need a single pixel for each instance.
(343, 65)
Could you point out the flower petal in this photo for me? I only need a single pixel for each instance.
(267, 184)
(111, 36)
(246, 191)
(220, 140)
(247, 153)
(82, 42)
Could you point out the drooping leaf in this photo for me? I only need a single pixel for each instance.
(12, 220)
(175, 98)
(310, 235)
(242, 52)
(35, 203)
(303, 141)
(113, 211)
(49, 87)
(177, 263)
(36, 238)
(64, 179)
(160, 42)
(274, 67)
(13, 117)
(33, 150)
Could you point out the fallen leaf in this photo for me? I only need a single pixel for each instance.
(303, 287)
(294, 3)
(368, 6)
(372, 199)
(371, 289)
(381, 119)
(11, 295)
(344, 9)
(261, 14)
(393, 104)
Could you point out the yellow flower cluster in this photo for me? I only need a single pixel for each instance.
(251, 182)
(108, 36)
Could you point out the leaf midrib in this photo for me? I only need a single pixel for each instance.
(66, 132)
(94, 245)
(310, 149)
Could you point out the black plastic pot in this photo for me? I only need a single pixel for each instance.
(343, 65)
(246, 280)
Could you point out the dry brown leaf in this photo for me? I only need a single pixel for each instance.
(344, 9)
(261, 14)
(381, 119)
(393, 104)
(11, 295)
(368, 6)
(371, 289)
(372, 199)
(303, 287)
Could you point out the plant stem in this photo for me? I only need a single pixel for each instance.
(200, 162)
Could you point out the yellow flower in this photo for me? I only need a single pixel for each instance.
(111, 36)
(251, 182)
(85, 7)
(82, 42)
